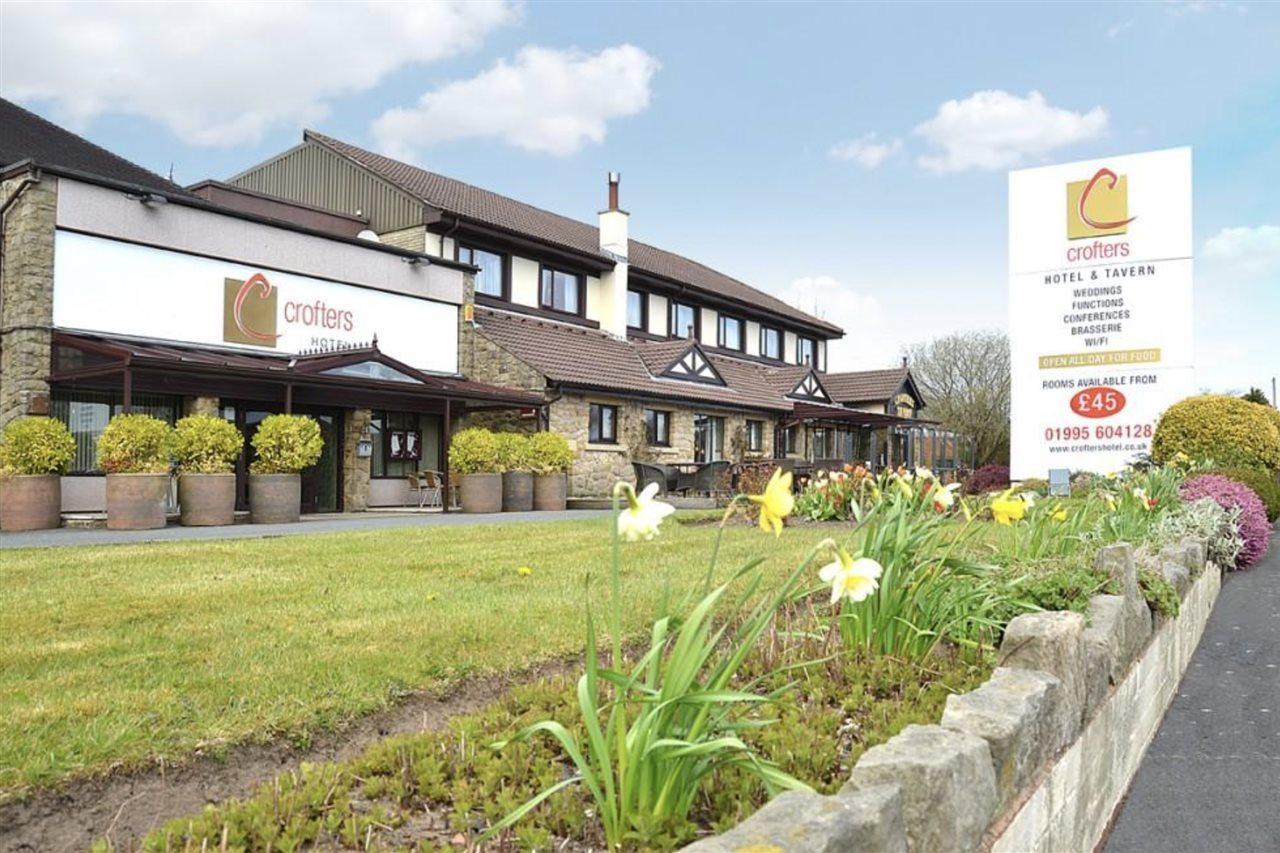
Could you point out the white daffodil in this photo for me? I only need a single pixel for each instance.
(1140, 493)
(924, 473)
(639, 519)
(944, 497)
(1028, 498)
(850, 578)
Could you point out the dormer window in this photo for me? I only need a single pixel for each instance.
(491, 280)
(771, 343)
(561, 291)
(807, 352)
(731, 333)
(637, 310)
(684, 321)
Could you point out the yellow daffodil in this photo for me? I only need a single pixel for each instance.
(1059, 514)
(524, 571)
(776, 502)
(640, 518)
(1007, 509)
(1111, 502)
(850, 578)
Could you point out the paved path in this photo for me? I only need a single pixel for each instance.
(1210, 781)
(312, 524)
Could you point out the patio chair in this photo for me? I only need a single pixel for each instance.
(711, 478)
(429, 487)
(646, 474)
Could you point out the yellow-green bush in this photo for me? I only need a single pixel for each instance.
(474, 451)
(285, 444)
(36, 446)
(513, 452)
(134, 444)
(550, 452)
(204, 444)
(1228, 430)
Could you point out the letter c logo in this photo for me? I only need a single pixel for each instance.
(1084, 197)
(259, 281)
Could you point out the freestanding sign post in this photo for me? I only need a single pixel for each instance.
(1100, 320)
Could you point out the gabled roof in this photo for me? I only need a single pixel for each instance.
(868, 386)
(26, 136)
(490, 208)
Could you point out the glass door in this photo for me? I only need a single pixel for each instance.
(321, 483)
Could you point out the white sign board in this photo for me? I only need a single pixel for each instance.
(111, 287)
(1100, 322)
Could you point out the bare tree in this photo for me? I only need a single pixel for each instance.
(964, 378)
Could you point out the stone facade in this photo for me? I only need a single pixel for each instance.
(355, 469)
(26, 298)
(201, 406)
(413, 238)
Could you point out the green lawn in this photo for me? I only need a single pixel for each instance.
(125, 654)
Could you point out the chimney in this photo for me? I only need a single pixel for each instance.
(904, 361)
(613, 244)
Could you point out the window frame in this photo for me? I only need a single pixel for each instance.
(742, 332)
(652, 417)
(644, 309)
(800, 341)
(504, 257)
(755, 436)
(580, 310)
(778, 336)
(595, 423)
(673, 307)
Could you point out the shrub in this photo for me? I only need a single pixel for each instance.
(134, 444)
(474, 451)
(513, 452)
(285, 444)
(36, 446)
(1253, 525)
(550, 453)
(204, 444)
(1263, 483)
(1035, 485)
(988, 478)
(1202, 519)
(1228, 430)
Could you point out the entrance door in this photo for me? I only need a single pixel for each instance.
(321, 483)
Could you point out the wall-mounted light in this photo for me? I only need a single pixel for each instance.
(416, 261)
(147, 199)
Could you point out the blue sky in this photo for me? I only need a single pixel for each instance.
(798, 147)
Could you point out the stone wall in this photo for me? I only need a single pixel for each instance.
(201, 406)
(413, 238)
(1038, 757)
(355, 469)
(26, 298)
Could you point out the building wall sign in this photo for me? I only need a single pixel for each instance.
(112, 287)
(1100, 308)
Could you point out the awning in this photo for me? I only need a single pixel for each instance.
(355, 377)
(851, 417)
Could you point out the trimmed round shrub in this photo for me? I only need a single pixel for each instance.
(1253, 524)
(285, 444)
(1230, 431)
(1264, 484)
(205, 444)
(474, 451)
(513, 452)
(36, 445)
(988, 478)
(550, 453)
(134, 444)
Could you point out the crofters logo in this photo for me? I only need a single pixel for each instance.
(249, 311)
(1098, 207)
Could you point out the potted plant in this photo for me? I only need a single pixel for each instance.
(134, 451)
(551, 458)
(34, 453)
(473, 455)
(517, 471)
(283, 446)
(205, 449)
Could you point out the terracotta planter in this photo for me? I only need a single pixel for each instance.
(136, 501)
(30, 502)
(275, 498)
(206, 500)
(482, 493)
(517, 491)
(549, 492)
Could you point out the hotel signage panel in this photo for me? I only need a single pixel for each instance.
(1100, 308)
(111, 287)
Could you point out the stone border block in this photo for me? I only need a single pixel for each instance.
(1119, 564)
(1051, 642)
(1105, 647)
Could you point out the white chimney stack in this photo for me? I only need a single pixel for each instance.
(613, 243)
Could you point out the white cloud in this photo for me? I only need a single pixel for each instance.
(997, 130)
(865, 150)
(1247, 250)
(870, 340)
(549, 101)
(224, 73)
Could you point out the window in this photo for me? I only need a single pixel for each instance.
(86, 414)
(657, 427)
(638, 310)
(602, 427)
(403, 443)
(492, 278)
(789, 440)
(755, 436)
(770, 343)
(731, 336)
(807, 352)
(684, 321)
(561, 291)
(708, 438)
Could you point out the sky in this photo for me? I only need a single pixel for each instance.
(851, 159)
